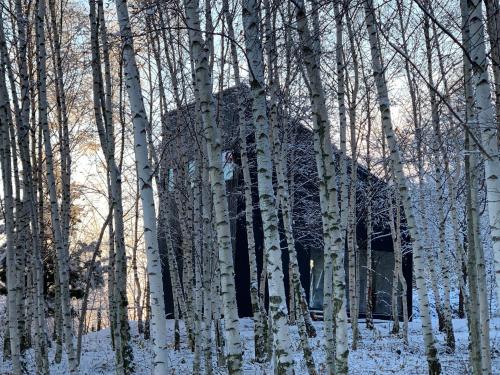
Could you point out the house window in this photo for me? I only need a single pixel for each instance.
(191, 172)
(170, 179)
(227, 165)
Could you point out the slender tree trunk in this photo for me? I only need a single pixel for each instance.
(369, 225)
(57, 225)
(472, 299)
(473, 316)
(145, 175)
(88, 279)
(123, 351)
(203, 84)
(449, 180)
(209, 265)
(137, 282)
(279, 157)
(29, 195)
(493, 28)
(62, 119)
(333, 300)
(385, 110)
(347, 189)
(259, 339)
(12, 279)
(486, 119)
(447, 318)
(270, 222)
(147, 304)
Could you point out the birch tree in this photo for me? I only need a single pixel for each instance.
(203, 85)
(105, 128)
(60, 244)
(334, 300)
(12, 280)
(484, 116)
(434, 366)
(145, 175)
(267, 199)
(257, 308)
(488, 130)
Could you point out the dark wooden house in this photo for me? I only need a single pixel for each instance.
(306, 215)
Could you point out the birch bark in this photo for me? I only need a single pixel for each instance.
(12, 279)
(385, 109)
(447, 317)
(145, 175)
(352, 245)
(267, 199)
(60, 244)
(369, 225)
(488, 130)
(203, 84)
(277, 119)
(259, 339)
(337, 350)
(470, 162)
(29, 195)
(105, 128)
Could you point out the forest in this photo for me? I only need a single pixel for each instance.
(250, 187)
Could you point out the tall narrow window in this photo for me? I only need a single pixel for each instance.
(228, 165)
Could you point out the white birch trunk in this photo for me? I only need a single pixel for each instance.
(267, 199)
(447, 317)
(209, 265)
(12, 279)
(486, 120)
(145, 175)
(337, 350)
(259, 339)
(472, 299)
(285, 201)
(106, 135)
(385, 110)
(29, 194)
(203, 83)
(369, 225)
(473, 316)
(60, 244)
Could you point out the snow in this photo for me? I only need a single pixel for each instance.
(378, 352)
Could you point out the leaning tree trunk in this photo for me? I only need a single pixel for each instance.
(445, 274)
(333, 300)
(203, 83)
(61, 245)
(145, 175)
(279, 157)
(12, 279)
(267, 200)
(29, 194)
(259, 338)
(385, 111)
(347, 189)
(123, 352)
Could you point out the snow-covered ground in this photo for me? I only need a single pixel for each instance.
(379, 353)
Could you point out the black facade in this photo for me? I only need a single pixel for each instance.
(306, 218)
